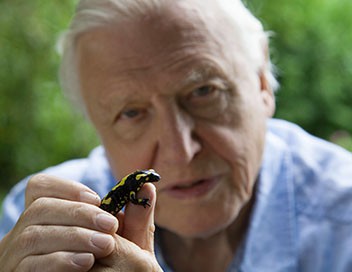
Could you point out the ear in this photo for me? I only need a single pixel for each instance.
(267, 92)
(267, 95)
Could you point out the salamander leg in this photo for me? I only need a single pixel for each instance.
(139, 201)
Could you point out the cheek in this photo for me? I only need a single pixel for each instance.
(240, 143)
(233, 144)
(244, 149)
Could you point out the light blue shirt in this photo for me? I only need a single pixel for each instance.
(302, 218)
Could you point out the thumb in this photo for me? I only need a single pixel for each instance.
(139, 221)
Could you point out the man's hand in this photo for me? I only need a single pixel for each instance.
(61, 229)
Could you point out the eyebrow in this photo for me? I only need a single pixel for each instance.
(202, 74)
(115, 101)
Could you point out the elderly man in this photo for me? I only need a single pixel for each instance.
(183, 87)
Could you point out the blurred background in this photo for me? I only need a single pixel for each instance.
(311, 47)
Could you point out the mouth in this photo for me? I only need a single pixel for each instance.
(195, 189)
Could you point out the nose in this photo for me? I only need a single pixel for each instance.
(178, 143)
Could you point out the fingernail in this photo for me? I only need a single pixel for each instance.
(83, 259)
(102, 241)
(107, 222)
(89, 197)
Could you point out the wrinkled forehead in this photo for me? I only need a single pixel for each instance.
(180, 23)
(204, 19)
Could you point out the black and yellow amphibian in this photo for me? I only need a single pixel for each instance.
(126, 190)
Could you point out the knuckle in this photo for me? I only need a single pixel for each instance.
(74, 233)
(38, 208)
(81, 210)
(37, 184)
(37, 180)
(29, 238)
(84, 212)
(41, 203)
(24, 266)
(27, 265)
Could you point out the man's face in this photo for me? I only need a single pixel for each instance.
(174, 92)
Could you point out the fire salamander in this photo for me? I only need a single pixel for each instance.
(126, 190)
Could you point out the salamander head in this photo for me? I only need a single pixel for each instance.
(147, 176)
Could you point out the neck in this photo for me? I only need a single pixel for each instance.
(213, 253)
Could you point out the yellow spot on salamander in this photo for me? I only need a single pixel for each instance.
(106, 201)
(139, 176)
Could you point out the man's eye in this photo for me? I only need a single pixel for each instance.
(207, 101)
(131, 114)
(203, 91)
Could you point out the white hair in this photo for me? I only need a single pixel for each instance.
(91, 14)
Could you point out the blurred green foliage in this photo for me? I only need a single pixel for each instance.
(311, 48)
(37, 127)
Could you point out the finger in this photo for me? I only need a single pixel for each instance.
(42, 185)
(39, 240)
(139, 221)
(57, 262)
(53, 211)
(121, 218)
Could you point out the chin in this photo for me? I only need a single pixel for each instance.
(199, 226)
(202, 218)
